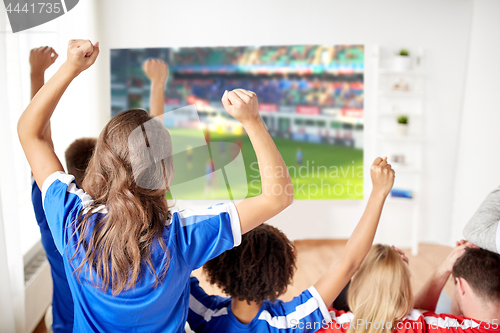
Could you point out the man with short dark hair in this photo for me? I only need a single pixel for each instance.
(476, 275)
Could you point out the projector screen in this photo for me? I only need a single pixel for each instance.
(310, 99)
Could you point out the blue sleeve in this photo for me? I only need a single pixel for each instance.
(36, 200)
(202, 235)
(305, 313)
(203, 307)
(62, 201)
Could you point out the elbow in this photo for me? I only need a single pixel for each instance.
(278, 202)
(21, 133)
(350, 267)
(285, 199)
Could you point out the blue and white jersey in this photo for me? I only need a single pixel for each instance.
(305, 313)
(192, 238)
(62, 301)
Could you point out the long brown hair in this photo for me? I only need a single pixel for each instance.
(380, 292)
(118, 245)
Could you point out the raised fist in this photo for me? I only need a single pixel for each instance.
(382, 176)
(81, 54)
(41, 58)
(155, 70)
(241, 104)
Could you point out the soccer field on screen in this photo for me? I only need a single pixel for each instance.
(326, 172)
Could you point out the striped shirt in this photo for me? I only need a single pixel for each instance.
(305, 313)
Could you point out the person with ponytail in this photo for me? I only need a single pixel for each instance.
(127, 255)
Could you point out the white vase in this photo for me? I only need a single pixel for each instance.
(402, 63)
(403, 129)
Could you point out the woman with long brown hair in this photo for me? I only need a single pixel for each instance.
(127, 254)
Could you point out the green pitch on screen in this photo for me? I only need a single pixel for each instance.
(327, 171)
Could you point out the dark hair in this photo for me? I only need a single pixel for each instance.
(260, 268)
(78, 155)
(481, 269)
(123, 176)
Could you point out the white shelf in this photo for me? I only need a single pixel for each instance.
(398, 200)
(402, 168)
(396, 114)
(397, 137)
(407, 73)
(386, 141)
(404, 94)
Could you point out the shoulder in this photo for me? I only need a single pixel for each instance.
(192, 216)
(62, 185)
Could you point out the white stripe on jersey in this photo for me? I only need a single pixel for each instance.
(300, 312)
(71, 187)
(188, 217)
(201, 310)
(343, 318)
(322, 305)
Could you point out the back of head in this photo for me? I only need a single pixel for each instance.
(481, 269)
(260, 268)
(129, 173)
(380, 292)
(78, 155)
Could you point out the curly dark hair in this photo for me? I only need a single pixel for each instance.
(260, 268)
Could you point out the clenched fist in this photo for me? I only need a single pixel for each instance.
(241, 104)
(382, 176)
(41, 58)
(155, 70)
(81, 54)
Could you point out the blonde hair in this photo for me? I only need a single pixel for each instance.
(380, 292)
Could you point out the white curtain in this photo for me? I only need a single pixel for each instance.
(11, 256)
(18, 229)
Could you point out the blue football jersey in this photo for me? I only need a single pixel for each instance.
(192, 237)
(212, 314)
(62, 301)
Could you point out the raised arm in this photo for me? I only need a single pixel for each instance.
(428, 296)
(34, 120)
(277, 189)
(335, 279)
(157, 72)
(483, 228)
(40, 59)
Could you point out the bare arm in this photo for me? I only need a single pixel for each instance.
(337, 276)
(34, 120)
(40, 59)
(243, 105)
(157, 72)
(428, 296)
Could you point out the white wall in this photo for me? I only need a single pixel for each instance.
(478, 167)
(442, 27)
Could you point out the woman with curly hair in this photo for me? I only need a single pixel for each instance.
(257, 272)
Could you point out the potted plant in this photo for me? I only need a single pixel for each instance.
(403, 121)
(402, 60)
